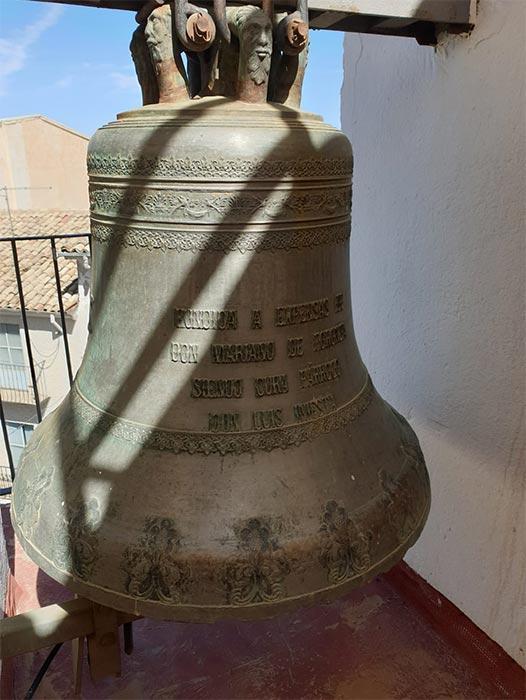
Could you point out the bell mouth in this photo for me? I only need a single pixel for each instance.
(156, 609)
(189, 564)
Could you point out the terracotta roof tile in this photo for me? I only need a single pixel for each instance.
(35, 259)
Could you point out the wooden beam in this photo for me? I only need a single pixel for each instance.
(460, 12)
(393, 23)
(326, 19)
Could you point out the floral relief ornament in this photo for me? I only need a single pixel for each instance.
(404, 501)
(75, 542)
(345, 550)
(152, 568)
(257, 574)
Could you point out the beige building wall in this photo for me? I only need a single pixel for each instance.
(438, 263)
(43, 165)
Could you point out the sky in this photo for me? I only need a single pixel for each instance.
(72, 64)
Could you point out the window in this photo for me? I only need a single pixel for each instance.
(12, 366)
(19, 434)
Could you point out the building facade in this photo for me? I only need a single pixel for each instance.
(46, 334)
(42, 165)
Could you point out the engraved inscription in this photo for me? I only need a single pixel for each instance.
(208, 442)
(265, 420)
(314, 407)
(185, 353)
(338, 303)
(319, 374)
(256, 321)
(205, 319)
(294, 347)
(243, 352)
(224, 422)
(329, 337)
(217, 388)
(302, 313)
(269, 386)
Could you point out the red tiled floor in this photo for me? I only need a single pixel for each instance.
(370, 644)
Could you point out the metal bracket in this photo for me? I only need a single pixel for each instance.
(420, 19)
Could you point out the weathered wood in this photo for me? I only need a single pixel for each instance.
(104, 653)
(461, 12)
(77, 657)
(327, 19)
(43, 627)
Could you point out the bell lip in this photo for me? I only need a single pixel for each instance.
(209, 106)
(214, 613)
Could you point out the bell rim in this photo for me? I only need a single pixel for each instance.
(212, 613)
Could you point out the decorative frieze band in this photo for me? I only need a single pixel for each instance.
(223, 443)
(220, 240)
(221, 168)
(215, 207)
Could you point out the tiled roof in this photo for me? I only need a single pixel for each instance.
(35, 259)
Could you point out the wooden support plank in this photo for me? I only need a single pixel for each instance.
(104, 653)
(43, 627)
(77, 656)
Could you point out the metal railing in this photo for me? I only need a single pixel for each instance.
(15, 383)
(34, 391)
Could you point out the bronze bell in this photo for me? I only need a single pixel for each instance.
(223, 452)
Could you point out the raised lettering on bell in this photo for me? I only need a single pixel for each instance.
(224, 422)
(319, 374)
(329, 337)
(265, 420)
(302, 313)
(314, 407)
(230, 353)
(217, 388)
(205, 319)
(185, 353)
(268, 386)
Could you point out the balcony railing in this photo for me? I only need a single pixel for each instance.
(25, 384)
(16, 383)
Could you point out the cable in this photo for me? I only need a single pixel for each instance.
(42, 672)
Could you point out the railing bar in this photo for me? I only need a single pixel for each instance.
(43, 236)
(61, 308)
(6, 439)
(26, 330)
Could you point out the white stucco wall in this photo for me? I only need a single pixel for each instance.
(438, 288)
